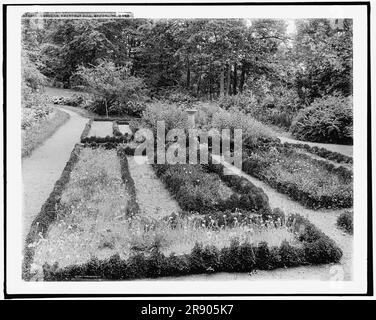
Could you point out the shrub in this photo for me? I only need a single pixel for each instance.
(115, 91)
(75, 100)
(345, 221)
(252, 130)
(181, 98)
(173, 116)
(243, 102)
(280, 107)
(328, 120)
(31, 76)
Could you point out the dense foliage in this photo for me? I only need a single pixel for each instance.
(345, 221)
(268, 69)
(328, 119)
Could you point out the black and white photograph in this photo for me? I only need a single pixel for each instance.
(187, 149)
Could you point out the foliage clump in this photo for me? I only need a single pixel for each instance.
(328, 120)
(345, 221)
(115, 91)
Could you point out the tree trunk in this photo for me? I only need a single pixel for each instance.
(105, 102)
(242, 78)
(222, 83)
(188, 74)
(228, 82)
(235, 79)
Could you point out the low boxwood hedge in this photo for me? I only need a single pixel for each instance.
(315, 248)
(123, 139)
(132, 206)
(48, 212)
(86, 130)
(345, 221)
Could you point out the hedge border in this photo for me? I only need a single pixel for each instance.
(47, 213)
(117, 119)
(317, 248)
(246, 196)
(133, 207)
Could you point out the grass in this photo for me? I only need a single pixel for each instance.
(39, 131)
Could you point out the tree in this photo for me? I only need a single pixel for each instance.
(112, 87)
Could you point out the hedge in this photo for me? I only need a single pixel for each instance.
(86, 130)
(117, 119)
(316, 248)
(48, 212)
(345, 221)
(133, 207)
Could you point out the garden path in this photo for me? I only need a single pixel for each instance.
(44, 166)
(153, 198)
(340, 148)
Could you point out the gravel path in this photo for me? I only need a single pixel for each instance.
(153, 198)
(44, 166)
(101, 129)
(340, 148)
(124, 128)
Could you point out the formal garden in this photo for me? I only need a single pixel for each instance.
(116, 214)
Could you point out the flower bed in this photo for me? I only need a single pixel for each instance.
(314, 183)
(314, 247)
(200, 190)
